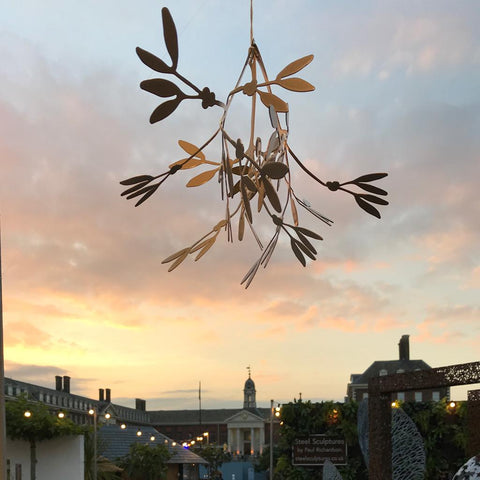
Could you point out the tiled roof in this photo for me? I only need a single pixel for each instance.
(391, 366)
(115, 443)
(192, 417)
(73, 403)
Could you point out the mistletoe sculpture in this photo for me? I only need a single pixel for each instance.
(247, 173)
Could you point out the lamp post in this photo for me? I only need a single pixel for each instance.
(274, 412)
(270, 476)
(3, 429)
(93, 412)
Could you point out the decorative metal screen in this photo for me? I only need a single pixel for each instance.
(473, 413)
(362, 428)
(379, 393)
(408, 453)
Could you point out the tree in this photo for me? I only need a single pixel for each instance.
(39, 425)
(214, 455)
(146, 462)
(106, 470)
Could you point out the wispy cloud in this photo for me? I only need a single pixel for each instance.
(84, 287)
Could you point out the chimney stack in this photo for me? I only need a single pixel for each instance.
(101, 396)
(107, 395)
(66, 384)
(58, 383)
(404, 347)
(140, 404)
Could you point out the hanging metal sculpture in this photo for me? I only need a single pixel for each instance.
(244, 170)
(330, 471)
(408, 452)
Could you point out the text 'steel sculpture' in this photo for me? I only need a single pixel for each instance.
(251, 176)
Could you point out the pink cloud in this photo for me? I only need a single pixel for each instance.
(415, 42)
(437, 333)
(446, 246)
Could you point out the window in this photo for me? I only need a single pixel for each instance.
(435, 396)
(383, 372)
(401, 396)
(400, 370)
(418, 396)
(18, 471)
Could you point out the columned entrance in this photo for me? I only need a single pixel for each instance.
(246, 434)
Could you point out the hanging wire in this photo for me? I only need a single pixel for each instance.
(251, 22)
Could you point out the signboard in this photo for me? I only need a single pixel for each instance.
(315, 449)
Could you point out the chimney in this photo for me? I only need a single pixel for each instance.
(101, 396)
(140, 404)
(107, 395)
(404, 347)
(58, 383)
(66, 384)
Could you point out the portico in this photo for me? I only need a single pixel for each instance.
(246, 433)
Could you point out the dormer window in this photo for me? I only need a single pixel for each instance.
(383, 372)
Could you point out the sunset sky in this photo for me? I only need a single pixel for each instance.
(84, 291)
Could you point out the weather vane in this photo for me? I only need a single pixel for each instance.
(252, 172)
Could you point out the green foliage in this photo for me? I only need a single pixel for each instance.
(443, 432)
(146, 462)
(331, 418)
(41, 425)
(214, 455)
(104, 467)
(263, 462)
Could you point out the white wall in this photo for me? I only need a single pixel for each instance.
(58, 459)
(18, 452)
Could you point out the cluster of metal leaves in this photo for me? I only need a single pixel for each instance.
(330, 471)
(252, 178)
(469, 471)
(408, 452)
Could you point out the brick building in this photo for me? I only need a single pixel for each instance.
(357, 389)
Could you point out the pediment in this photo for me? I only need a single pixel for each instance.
(244, 416)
